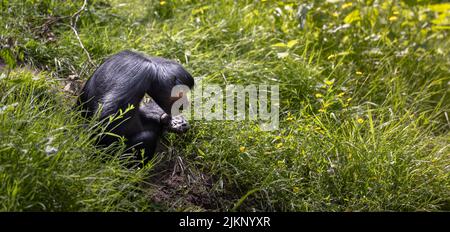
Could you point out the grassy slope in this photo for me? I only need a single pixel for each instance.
(363, 117)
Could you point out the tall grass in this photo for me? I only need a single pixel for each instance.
(363, 90)
(48, 160)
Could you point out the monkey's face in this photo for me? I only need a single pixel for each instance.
(170, 96)
(181, 100)
(175, 98)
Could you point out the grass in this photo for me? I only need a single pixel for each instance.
(44, 165)
(363, 120)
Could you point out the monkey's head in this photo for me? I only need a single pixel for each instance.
(172, 83)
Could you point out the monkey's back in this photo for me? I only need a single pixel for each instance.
(119, 81)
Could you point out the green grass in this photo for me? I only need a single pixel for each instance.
(364, 122)
(44, 161)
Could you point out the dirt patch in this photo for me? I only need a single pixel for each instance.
(72, 85)
(179, 186)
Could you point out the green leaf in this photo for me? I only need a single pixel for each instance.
(440, 27)
(279, 45)
(8, 57)
(442, 19)
(202, 154)
(292, 43)
(441, 7)
(200, 10)
(242, 199)
(373, 16)
(352, 17)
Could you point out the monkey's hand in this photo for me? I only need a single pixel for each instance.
(152, 112)
(178, 124)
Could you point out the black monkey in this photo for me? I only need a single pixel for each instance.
(123, 80)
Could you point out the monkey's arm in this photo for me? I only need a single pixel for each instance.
(152, 112)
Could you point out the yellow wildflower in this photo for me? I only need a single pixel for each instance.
(289, 117)
(360, 120)
(279, 145)
(329, 82)
(347, 5)
(281, 163)
(393, 18)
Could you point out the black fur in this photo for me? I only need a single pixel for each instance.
(123, 80)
